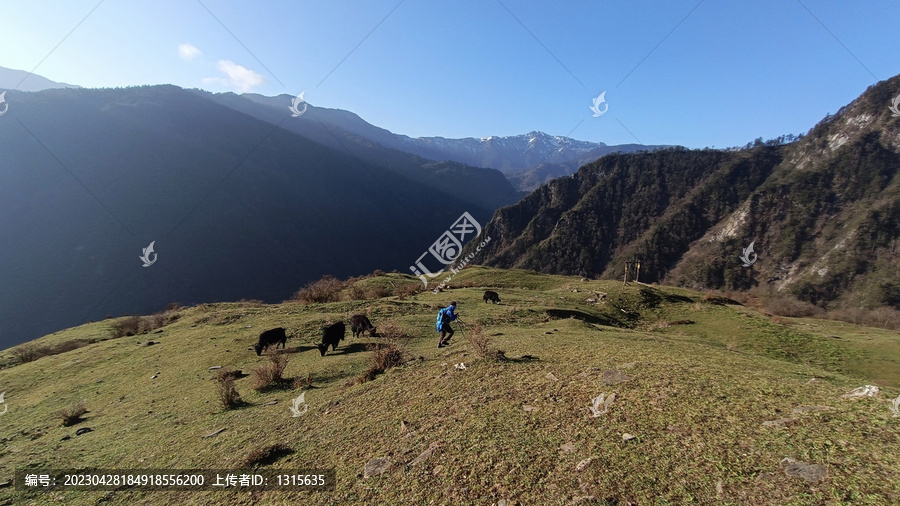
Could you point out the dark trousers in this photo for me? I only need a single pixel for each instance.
(446, 333)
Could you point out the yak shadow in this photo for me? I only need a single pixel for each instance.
(300, 349)
(350, 348)
(522, 359)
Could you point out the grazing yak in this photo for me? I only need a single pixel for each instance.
(268, 338)
(359, 324)
(331, 336)
(491, 296)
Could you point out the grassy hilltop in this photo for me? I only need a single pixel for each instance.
(695, 380)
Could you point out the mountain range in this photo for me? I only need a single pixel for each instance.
(12, 79)
(527, 160)
(817, 218)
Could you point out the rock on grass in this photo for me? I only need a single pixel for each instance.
(376, 466)
(813, 473)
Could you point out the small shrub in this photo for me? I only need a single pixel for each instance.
(32, 352)
(378, 291)
(883, 317)
(264, 455)
(482, 344)
(378, 272)
(228, 394)
(786, 305)
(356, 292)
(712, 298)
(384, 357)
(407, 290)
(29, 352)
(300, 383)
(72, 415)
(739, 296)
(134, 325)
(172, 306)
(327, 289)
(128, 326)
(270, 373)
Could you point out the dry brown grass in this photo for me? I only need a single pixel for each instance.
(264, 455)
(883, 317)
(385, 356)
(378, 291)
(134, 325)
(785, 305)
(30, 352)
(227, 393)
(71, 415)
(270, 373)
(356, 292)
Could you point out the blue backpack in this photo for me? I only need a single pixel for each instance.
(442, 318)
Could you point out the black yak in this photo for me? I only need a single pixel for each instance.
(268, 338)
(331, 336)
(492, 296)
(359, 324)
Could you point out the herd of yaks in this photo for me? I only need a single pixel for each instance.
(331, 335)
(334, 334)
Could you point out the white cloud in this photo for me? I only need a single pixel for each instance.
(188, 52)
(239, 76)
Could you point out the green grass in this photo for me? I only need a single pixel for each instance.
(502, 430)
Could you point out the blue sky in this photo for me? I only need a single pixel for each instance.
(689, 72)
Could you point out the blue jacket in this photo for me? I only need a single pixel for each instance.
(444, 316)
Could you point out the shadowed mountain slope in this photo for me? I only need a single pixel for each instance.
(237, 207)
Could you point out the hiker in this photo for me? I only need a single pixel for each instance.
(444, 317)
